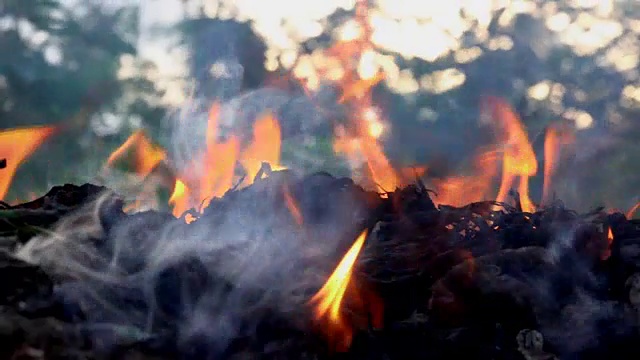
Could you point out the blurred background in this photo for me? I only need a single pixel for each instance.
(100, 70)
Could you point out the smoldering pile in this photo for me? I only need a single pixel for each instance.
(83, 279)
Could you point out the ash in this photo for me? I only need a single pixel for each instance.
(85, 280)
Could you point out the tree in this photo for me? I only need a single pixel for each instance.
(60, 66)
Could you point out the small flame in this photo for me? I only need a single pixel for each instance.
(189, 218)
(633, 210)
(292, 205)
(147, 155)
(607, 252)
(15, 146)
(519, 160)
(264, 148)
(462, 190)
(179, 198)
(328, 299)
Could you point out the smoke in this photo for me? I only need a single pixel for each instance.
(243, 265)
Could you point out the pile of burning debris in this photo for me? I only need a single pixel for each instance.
(272, 271)
(268, 263)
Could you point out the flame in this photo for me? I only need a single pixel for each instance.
(328, 299)
(519, 160)
(462, 190)
(605, 255)
(556, 137)
(214, 172)
(354, 61)
(15, 146)
(292, 205)
(633, 210)
(189, 218)
(147, 155)
(179, 198)
(264, 148)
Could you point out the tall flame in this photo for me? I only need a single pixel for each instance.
(358, 140)
(555, 138)
(15, 146)
(519, 160)
(327, 301)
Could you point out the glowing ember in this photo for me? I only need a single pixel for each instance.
(146, 154)
(15, 146)
(327, 301)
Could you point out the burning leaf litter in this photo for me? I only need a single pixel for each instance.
(256, 261)
(421, 281)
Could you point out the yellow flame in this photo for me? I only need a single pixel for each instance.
(329, 298)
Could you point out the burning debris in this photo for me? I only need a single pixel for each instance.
(255, 260)
(329, 270)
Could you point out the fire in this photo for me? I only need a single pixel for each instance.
(556, 136)
(179, 198)
(355, 62)
(462, 190)
(607, 252)
(633, 210)
(327, 301)
(15, 146)
(264, 148)
(292, 205)
(214, 172)
(519, 160)
(147, 155)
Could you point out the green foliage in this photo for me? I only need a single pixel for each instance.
(60, 67)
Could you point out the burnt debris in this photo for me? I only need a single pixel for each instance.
(82, 279)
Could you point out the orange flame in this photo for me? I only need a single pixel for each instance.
(358, 139)
(605, 255)
(179, 198)
(519, 160)
(15, 146)
(264, 148)
(462, 190)
(215, 172)
(556, 137)
(328, 299)
(147, 155)
(633, 210)
(291, 205)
